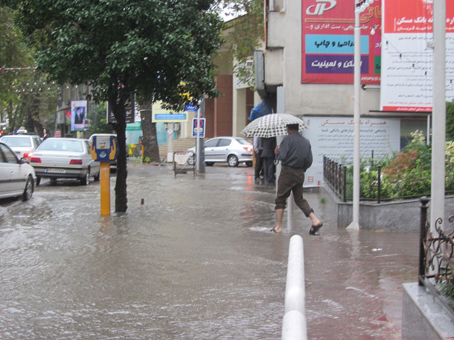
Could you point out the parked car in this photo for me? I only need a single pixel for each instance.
(231, 150)
(22, 145)
(65, 158)
(17, 178)
(113, 163)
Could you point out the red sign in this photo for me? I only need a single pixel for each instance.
(328, 42)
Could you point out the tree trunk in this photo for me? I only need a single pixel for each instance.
(121, 200)
(149, 138)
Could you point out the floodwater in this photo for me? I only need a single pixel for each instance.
(195, 261)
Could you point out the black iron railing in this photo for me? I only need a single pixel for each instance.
(436, 255)
(341, 183)
(335, 175)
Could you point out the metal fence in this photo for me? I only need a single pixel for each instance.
(436, 257)
(336, 178)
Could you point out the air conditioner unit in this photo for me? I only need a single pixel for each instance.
(249, 64)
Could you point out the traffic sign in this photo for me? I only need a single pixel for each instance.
(198, 127)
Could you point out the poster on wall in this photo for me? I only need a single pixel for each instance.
(328, 42)
(78, 115)
(407, 61)
(130, 113)
(333, 137)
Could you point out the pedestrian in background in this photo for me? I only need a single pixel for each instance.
(295, 153)
(258, 157)
(45, 135)
(268, 146)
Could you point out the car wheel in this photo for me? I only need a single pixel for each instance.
(191, 160)
(86, 179)
(232, 160)
(97, 176)
(38, 181)
(28, 191)
(209, 163)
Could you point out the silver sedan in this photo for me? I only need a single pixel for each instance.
(230, 150)
(65, 158)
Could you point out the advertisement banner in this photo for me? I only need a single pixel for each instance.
(328, 42)
(333, 137)
(78, 115)
(131, 113)
(407, 60)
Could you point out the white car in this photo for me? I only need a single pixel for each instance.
(22, 145)
(230, 150)
(65, 158)
(17, 178)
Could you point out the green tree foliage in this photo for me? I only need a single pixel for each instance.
(157, 50)
(450, 120)
(98, 121)
(25, 96)
(13, 54)
(246, 33)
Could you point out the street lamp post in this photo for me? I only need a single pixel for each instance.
(360, 6)
(437, 207)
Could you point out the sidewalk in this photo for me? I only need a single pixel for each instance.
(353, 279)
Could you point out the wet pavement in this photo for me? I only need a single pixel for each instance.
(195, 261)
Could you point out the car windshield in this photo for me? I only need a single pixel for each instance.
(242, 141)
(23, 142)
(61, 145)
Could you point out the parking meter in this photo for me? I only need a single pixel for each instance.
(104, 149)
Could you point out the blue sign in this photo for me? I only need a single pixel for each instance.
(170, 117)
(190, 108)
(198, 127)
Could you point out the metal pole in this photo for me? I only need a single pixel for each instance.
(200, 151)
(422, 236)
(345, 183)
(354, 225)
(439, 113)
(378, 183)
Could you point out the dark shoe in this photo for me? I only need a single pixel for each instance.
(315, 228)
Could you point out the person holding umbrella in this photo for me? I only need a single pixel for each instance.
(295, 153)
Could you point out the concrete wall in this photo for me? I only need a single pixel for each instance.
(422, 317)
(401, 216)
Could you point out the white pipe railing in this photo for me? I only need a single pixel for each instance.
(294, 322)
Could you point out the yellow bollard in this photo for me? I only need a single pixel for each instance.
(104, 176)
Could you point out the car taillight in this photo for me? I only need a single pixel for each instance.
(248, 148)
(76, 161)
(35, 160)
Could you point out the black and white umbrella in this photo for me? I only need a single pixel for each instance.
(272, 125)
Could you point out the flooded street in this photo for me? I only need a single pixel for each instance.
(195, 261)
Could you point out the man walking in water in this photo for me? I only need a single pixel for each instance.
(295, 153)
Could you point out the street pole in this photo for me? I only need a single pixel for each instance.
(437, 206)
(200, 147)
(354, 225)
